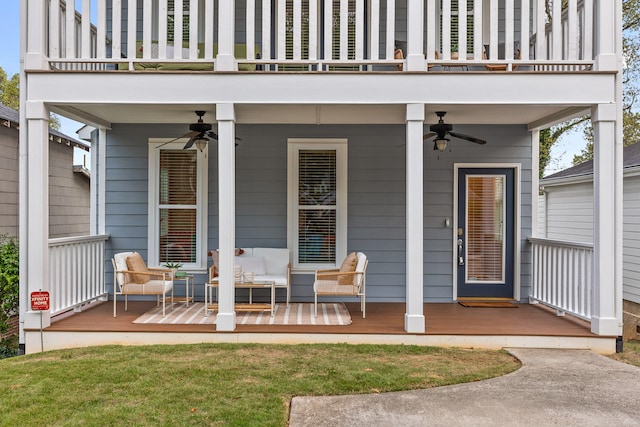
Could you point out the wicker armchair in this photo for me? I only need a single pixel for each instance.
(132, 277)
(338, 282)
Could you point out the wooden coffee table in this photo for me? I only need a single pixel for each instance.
(209, 304)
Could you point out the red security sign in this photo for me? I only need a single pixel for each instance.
(40, 300)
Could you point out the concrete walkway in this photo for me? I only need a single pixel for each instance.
(553, 387)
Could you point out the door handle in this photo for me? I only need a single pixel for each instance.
(460, 252)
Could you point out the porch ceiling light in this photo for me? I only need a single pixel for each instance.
(440, 144)
(201, 142)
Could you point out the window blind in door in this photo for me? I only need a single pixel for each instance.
(485, 228)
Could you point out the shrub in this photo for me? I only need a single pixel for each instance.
(9, 292)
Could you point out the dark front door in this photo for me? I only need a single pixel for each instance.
(485, 235)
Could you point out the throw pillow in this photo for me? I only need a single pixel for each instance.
(216, 259)
(136, 263)
(348, 265)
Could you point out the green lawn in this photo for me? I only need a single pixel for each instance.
(630, 353)
(224, 384)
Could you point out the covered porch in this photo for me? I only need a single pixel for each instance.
(383, 116)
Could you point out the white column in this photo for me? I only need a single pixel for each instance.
(608, 20)
(414, 317)
(535, 180)
(22, 177)
(607, 221)
(102, 181)
(35, 215)
(98, 179)
(225, 60)
(225, 114)
(93, 185)
(35, 16)
(415, 38)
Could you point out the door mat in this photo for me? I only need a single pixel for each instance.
(295, 314)
(488, 304)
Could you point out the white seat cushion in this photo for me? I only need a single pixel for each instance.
(280, 281)
(152, 287)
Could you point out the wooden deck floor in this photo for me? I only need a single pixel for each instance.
(447, 325)
(382, 318)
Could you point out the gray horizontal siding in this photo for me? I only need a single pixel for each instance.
(376, 200)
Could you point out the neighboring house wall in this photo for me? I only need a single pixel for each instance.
(376, 196)
(570, 212)
(569, 216)
(631, 239)
(68, 195)
(8, 181)
(69, 200)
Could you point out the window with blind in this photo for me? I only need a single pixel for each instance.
(171, 20)
(317, 202)
(335, 36)
(177, 178)
(486, 211)
(455, 25)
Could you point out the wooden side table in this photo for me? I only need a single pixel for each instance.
(186, 279)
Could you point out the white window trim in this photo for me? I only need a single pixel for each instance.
(294, 146)
(201, 208)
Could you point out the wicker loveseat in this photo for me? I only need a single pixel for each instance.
(267, 264)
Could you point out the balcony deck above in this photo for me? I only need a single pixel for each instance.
(321, 36)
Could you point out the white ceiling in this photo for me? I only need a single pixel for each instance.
(310, 114)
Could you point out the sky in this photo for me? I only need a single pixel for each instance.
(562, 153)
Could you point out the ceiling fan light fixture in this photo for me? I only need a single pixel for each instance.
(440, 144)
(201, 143)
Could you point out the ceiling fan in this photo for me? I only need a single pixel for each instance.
(441, 130)
(198, 134)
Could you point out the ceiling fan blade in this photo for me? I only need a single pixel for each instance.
(186, 135)
(468, 138)
(429, 135)
(190, 142)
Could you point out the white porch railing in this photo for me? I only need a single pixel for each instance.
(563, 276)
(76, 271)
(322, 34)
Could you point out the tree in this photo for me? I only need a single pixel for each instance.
(550, 136)
(10, 90)
(631, 92)
(10, 95)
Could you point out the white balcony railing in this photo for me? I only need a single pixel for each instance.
(563, 276)
(322, 34)
(76, 271)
